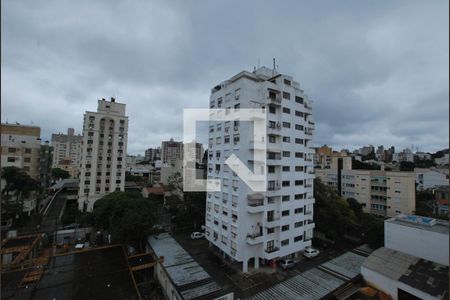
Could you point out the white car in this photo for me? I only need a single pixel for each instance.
(286, 264)
(310, 252)
(197, 235)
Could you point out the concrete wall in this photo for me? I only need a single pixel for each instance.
(426, 244)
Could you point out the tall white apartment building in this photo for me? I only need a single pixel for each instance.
(249, 227)
(67, 149)
(104, 151)
(194, 150)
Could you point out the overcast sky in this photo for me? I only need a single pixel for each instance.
(377, 71)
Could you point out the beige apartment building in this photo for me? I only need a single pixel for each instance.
(67, 151)
(105, 135)
(20, 147)
(383, 193)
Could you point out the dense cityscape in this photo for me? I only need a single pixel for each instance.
(253, 207)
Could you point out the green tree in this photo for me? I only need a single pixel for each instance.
(332, 214)
(128, 217)
(58, 173)
(19, 184)
(407, 166)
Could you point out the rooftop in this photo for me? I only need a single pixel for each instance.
(419, 222)
(188, 276)
(427, 276)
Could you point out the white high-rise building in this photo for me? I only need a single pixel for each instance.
(254, 228)
(104, 151)
(171, 151)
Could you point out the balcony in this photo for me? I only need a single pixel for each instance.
(272, 222)
(274, 97)
(255, 238)
(272, 249)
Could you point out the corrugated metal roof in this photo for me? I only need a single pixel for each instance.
(390, 263)
(316, 282)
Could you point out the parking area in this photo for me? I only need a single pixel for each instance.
(230, 276)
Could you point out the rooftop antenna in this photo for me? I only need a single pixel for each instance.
(273, 70)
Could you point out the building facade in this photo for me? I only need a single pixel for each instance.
(152, 154)
(45, 165)
(429, 178)
(171, 151)
(104, 150)
(20, 147)
(383, 193)
(254, 228)
(67, 151)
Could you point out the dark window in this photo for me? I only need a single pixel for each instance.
(285, 198)
(286, 110)
(286, 154)
(286, 96)
(285, 228)
(286, 183)
(298, 238)
(286, 168)
(299, 99)
(285, 213)
(287, 82)
(286, 125)
(272, 109)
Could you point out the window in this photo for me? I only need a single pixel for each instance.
(271, 169)
(299, 141)
(226, 139)
(27, 159)
(298, 169)
(298, 114)
(298, 210)
(286, 96)
(286, 168)
(11, 159)
(287, 82)
(286, 125)
(298, 196)
(299, 99)
(237, 106)
(11, 150)
(285, 228)
(286, 183)
(285, 213)
(27, 150)
(299, 127)
(286, 139)
(270, 230)
(285, 198)
(298, 238)
(299, 154)
(272, 139)
(286, 110)
(298, 224)
(299, 182)
(284, 242)
(272, 109)
(286, 154)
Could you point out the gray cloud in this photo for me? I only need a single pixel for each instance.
(377, 71)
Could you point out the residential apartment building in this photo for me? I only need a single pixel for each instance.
(194, 150)
(20, 147)
(67, 151)
(171, 151)
(249, 227)
(404, 156)
(103, 154)
(427, 178)
(383, 193)
(152, 154)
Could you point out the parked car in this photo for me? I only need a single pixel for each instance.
(197, 235)
(310, 252)
(286, 264)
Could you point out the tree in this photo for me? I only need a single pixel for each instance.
(128, 217)
(58, 173)
(355, 206)
(359, 165)
(332, 214)
(18, 183)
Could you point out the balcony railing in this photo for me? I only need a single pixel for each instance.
(271, 250)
